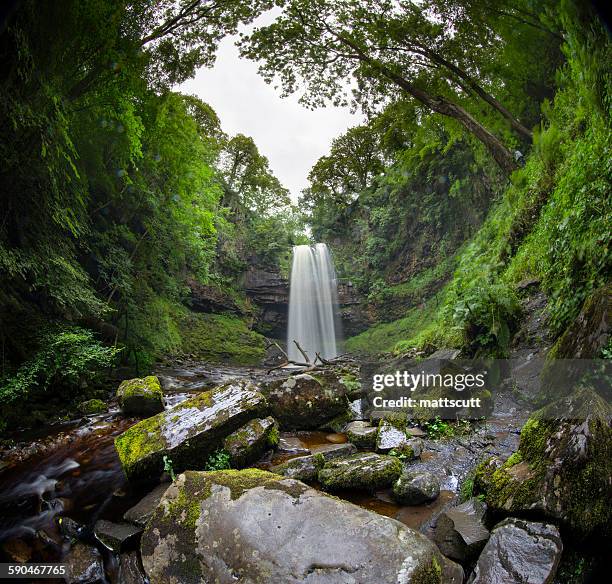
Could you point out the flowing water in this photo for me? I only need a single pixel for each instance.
(313, 304)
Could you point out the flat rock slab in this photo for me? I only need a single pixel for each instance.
(305, 468)
(141, 513)
(518, 552)
(291, 445)
(117, 536)
(253, 526)
(367, 471)
(188, 433)
(460, 532)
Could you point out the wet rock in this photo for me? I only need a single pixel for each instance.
(69, 527)
(141, 513)
(92, 406)
(204, 298)
(141, 396)
(360, 471)
(291, 445)
(307, 402)
(390, 437)
(415, 488)
(460, 532)
(84, 565)
(561, 469)
(248, 443)
(130, 571)
(188, 433)
(416, 432)
(305, 468)
(393, 438)
(117, 536)
(518, 552)
(362, 434)
(254, 526)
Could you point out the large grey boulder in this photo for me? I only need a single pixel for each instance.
(141, 396)
(415, 488)
(519, 552)
(390, 437)
(307, 401)
(248, 443)
(367, 471)
(256, 527)
(305, 468)
(460, 532)
(188, 433)
(562, 468)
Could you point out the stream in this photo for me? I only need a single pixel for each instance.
(72, 472)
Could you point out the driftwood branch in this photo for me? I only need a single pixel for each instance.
(304, 354)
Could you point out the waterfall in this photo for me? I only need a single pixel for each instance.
(313, 303)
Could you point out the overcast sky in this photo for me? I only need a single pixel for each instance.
(291, 136)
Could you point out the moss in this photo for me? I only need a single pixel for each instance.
(92, 406)
(221, 339)
(359, 472)
(273, 437)
(139, 441)
(430, 573)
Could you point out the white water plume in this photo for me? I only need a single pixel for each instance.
(313, 304)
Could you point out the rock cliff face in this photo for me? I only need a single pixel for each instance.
(270, 292)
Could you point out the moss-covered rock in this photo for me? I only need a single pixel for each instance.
(188, 433)
(248, 443)
(362, 434)
(562, 468)
(255, 526)
(361, 471)
(141, 396)
(305, 468)
(307, 401)
(92, 406)
(415, 488)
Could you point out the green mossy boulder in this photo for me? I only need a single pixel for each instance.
(258, 527)
(307, 401)
(362, 434)
(562, 468)
(92, 406)
(367, 471)
(247, 444)
(141, 396)
(305, 468)
(416, 488)
(188, 433)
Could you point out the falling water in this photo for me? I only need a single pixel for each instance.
(313, 302)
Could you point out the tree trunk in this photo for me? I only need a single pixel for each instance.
(444, 106)
(480, 91)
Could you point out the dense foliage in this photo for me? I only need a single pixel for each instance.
(550, 223)
(116, 190)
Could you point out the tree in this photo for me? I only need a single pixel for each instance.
(250, 182)
(386, 47)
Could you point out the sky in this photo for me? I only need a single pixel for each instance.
(292, 137)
